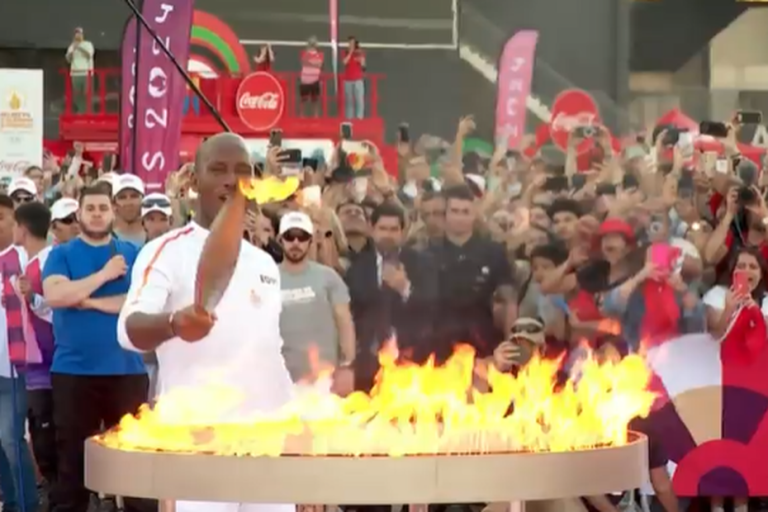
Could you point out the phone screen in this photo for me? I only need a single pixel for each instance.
(713, 129)
(403, 133)
(276, 138)
(346, 131)
(749, 117)
(663, 256)
(740, 282)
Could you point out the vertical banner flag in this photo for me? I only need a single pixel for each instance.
(513, 87)
(21, 120)
(155, 91)
(127, 95)
(333, 11)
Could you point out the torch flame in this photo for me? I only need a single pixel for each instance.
(411, 410)
(270, 189)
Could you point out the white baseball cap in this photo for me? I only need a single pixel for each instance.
(296, 220)
(125, 182)
(63, 208)
(22, 184)
(156, 202)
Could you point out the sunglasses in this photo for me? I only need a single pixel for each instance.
(156, 203)
(69, 219)
(301, 236)
(526, 329)
(23, 198)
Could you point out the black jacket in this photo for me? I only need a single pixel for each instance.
(379, 311)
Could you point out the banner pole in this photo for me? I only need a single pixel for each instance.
(181, 69)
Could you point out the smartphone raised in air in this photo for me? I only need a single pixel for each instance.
(276, 138)
(749, 117)
(713, 129)
(346, 131)
(740, 283)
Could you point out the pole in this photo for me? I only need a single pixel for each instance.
(179, 67)
(19, 469)
(333, 13)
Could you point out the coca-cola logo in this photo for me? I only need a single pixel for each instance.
(13, 167)
(572, 109)
(260, 101)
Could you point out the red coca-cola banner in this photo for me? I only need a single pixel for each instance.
(260, 101)
(573, 109)
(514, 85)
(153, 91)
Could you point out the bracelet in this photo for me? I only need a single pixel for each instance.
(170, 324)
(346, 364)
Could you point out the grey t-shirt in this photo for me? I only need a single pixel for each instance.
(307, 318)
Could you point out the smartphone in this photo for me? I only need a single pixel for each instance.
(403, 132)
(663, 256)
(556, 184)
(740, 282)
(721, 165)
(578, 181)
(276, 138)
(311, 196)
(346, 131)
(685, 186)
(605, 189)
(685, 139)
(312, 163)
(749, 117)
(584, 132)
(671, 137)
(290, 162)
(629, 182)
(713, 129)
(107, 162)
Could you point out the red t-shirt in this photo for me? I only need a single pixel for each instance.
(353, 70)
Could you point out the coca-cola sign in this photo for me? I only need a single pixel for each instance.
(573, 108)
(14, 167)
(260, 101)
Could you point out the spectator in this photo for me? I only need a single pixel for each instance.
(17, 474)
(64, 225)
(94, 381)
(317, 295)
(156, 215)
(354, 80)
(355, 226)
(393, 290)
(431, 211)
(265, 59)
(80, 58)
(31, 232)
(37, 176)
(471, 270)
(192, 98)
(22, 190)
(128, 191)
(311, 68)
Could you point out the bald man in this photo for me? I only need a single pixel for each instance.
(192, 347)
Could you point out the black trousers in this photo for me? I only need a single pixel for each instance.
(81, 405)
(42, 431)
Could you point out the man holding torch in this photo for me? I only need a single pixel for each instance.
(180, 277)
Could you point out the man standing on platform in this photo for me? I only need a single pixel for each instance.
(192, 344)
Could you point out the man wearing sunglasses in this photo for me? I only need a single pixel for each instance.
(316, 294)
(64, 225)
(156, 213)
(22, 190)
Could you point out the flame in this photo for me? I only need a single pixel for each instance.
(14, 102)
(270, 189)
(411, 410)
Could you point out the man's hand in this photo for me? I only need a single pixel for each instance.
(79, 147)
(466, 126)
(24, 287)
(343, 381)
(732, 202)
(506, 355)
(394, 277)
(192, 323)
(115, 268)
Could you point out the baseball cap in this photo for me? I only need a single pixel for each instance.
(63, 208)
(296, 220)
(616, 226)
(530, 329)
(126, 182)
(156, 202)
(22, 184)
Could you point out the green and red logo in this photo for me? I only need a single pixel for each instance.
(215, 48)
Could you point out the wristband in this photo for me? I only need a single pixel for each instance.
(170, 325)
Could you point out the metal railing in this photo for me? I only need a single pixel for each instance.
(487, 38)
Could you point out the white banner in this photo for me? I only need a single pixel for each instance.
(21, 120)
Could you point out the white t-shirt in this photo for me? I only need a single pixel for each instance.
(715, 298)
(243, 350)
(81, 61)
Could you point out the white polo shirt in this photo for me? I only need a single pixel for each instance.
(243, 350)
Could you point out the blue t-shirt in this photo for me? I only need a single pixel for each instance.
(86, 339)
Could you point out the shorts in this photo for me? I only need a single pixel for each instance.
(309, 91)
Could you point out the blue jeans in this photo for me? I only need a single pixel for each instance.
(195, 100)
(15, 457)
(354, 99)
